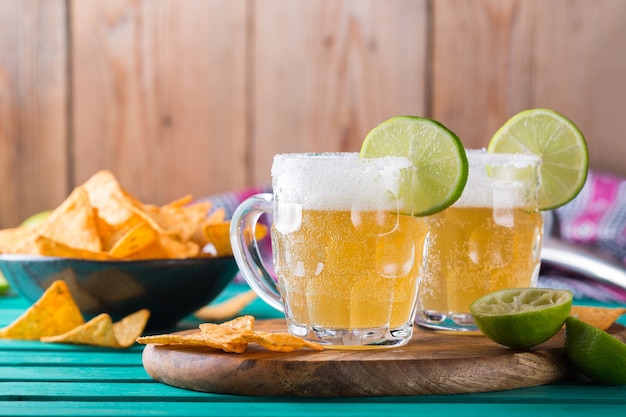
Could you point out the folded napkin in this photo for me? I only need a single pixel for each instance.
(595, 220)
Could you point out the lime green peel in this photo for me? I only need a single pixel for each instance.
(599, 355)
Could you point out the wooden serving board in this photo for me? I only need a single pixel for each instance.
(432, 363)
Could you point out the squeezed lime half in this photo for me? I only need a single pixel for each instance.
(522, 318)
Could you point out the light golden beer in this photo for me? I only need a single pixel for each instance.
(488, 240)
(350, 270)
(471, 255)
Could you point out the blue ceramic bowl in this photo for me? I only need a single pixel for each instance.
(170, 288)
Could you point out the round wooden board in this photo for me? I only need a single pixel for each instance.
(432, 363)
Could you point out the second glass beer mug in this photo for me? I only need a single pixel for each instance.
(347, 262)
(490, 239)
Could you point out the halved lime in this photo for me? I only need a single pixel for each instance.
(522, 317)
(436, 152)
(560, 145)
(599, 355)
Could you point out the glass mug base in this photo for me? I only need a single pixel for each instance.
(457, 322)
(370, 338)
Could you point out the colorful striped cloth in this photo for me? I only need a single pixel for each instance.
(595, 220)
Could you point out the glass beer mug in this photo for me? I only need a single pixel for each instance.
(347, 262)
(489, 239)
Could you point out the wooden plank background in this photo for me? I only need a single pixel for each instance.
(195, 96)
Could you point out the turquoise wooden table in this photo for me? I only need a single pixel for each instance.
(38, 379)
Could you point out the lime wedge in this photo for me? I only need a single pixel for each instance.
(36, 219)
(560, 145)
(4, 285)
(522, 317)
(599, 355)
(436, 152)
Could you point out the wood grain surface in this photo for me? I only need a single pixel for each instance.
(195, 96)
(432, 363)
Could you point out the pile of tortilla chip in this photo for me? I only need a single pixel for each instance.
(233, 336)
(101, 221)
(56, 318)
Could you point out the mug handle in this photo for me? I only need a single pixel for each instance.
(246, 249)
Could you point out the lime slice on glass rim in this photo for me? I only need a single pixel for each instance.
(522, 318)
(596, 353)
(437, 154)
(560, 145)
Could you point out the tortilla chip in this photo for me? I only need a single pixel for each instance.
(177, 250)
(73, 223)
(184, 220)
(138, 237)
(11, 239)
(226, 309)
(178, 222)
(146, 216)
(225, 336)
(54, 313)
(97, 331)
(100, 220)
(217, 236)
(130, 327)
(196, 339)
(218, 215)
(105, 231)
(49, 247)
(279, 342)
(180, 202)
(101, 331)
(152, 251)
(600, 317)
(239, 323)
(107, 195)
(233, 336)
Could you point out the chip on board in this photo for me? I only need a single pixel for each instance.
(233, 336)
(279, 342)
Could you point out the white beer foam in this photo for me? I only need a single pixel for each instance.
(483, 190)
(338, 181)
